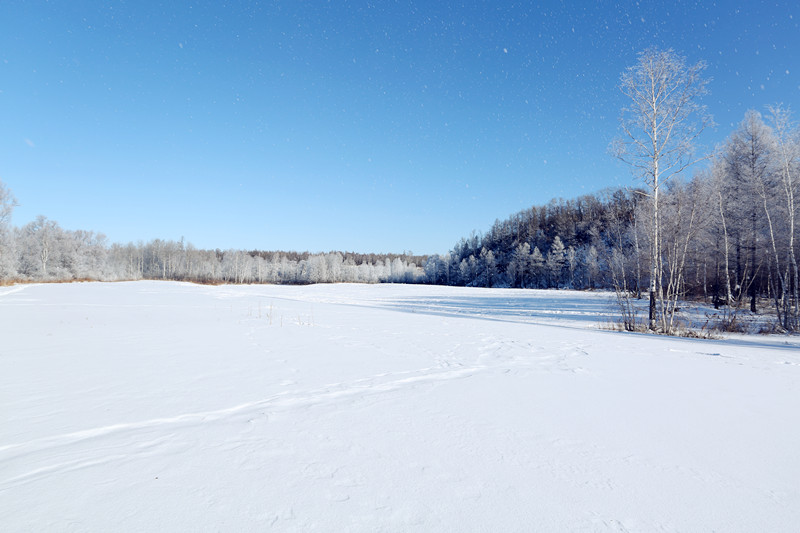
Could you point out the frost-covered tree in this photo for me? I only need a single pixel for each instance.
(572, 265)
(7, 243)
(556, 259)
(88, 255)
(38, 246)
(488, 268)
(435, 270)
(537, 267)
(474, 270)
(786, 150)
(750, 188)
(660, 125)
(333, 263)
(519, 266)
(684, 213)
(723, 286)
(463, 272)
(7, 204)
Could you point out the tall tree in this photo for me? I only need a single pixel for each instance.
(749, 168)
(718, 184)
(519, 266)
(7, 204)
(660, 126)
(555, 261)
(537, 266)
(787, 151)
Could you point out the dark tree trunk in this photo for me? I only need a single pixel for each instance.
(652, 317)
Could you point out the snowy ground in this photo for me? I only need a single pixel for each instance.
(153, 406)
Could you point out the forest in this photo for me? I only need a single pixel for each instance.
(43, 251)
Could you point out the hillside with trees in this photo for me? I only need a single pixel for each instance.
(727, 234)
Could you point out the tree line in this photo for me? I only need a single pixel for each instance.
(43, 251)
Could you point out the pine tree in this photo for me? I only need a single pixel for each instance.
(556, 258)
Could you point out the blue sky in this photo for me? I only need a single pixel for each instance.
(348, 125)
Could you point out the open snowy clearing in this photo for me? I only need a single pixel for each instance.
(150, 406)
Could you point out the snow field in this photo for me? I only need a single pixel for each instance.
(169, 406)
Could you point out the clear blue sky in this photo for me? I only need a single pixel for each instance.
(352, 125)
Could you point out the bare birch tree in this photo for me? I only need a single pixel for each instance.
(660, 127)
(787, 148)
(717, 178)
